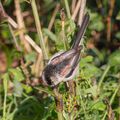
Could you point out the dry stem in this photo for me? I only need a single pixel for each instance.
(81, 11)
(76, 10)
(111, 4)
(21, 25)
(73, 6)
(52, 20)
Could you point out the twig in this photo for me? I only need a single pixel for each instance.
(73, 6)
(94, 83)
(111, 4)
(103, 76)
(3, 15)
(46, 90)
(99, 4)
(52, 20)
(108, 28)
(5, 85)
(109, 110)
(65, 42)
(71, 85)
(67, 8)
(59, 103)
(14, 38)
(53, 16)
(21, 25)
(33, 44)
(119, 95)
(2, 12)
(15, 25)
(81, 11)
(76, 10)
(111, 100)
(12, 22)
(81, 14)
(38, 66)
(38, 26)
(26, 73)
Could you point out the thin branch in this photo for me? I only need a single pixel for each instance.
(2, 12)
(103, 76)
(27, 37)
(64, 39)
(81, 12)
(76, 10)
(25, 71)
(12, 22)
(111, 100)
(52, 20)
(53, 16)
(33, 44)
(110, 13)
(14, 38)
(38, 26)
(67, 8)
(119, 95)
(59, 104)
(73, 5)
(21, 25)
(3, 15)
(38, 66)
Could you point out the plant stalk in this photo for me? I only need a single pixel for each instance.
(111, 100)
(38, 27)
(5, 78)
(59, 104)
(103, 76)
(60, 116)
(67, 8)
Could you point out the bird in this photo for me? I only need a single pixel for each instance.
(63, 66)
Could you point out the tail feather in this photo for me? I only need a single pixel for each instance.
(81, 30)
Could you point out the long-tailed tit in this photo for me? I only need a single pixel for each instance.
(63, 65)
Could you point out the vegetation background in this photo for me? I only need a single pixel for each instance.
(31, 31)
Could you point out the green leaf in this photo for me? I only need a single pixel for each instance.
(17, 74)
(117, 35)
(5, 77)
(5, 31)
(99, 106)
(114, 58)
(27, 88)
(31, 57)
(85, 60)
(93, 90)
(50, 34)
(117, 110)
(96, 22)
(89, 71)
(46, 90)
(98, 25)
(58, 26)
(118, 16)
(15, 54)
(70, 27)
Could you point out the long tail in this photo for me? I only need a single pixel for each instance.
(81, 30)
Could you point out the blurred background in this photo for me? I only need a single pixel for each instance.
(30, 36)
